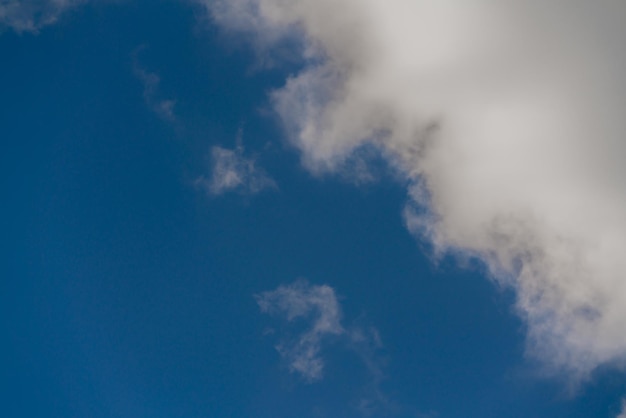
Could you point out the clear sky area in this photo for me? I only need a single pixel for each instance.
(312, 208)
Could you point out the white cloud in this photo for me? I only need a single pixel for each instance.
(316, 303)
(233, 171)
(32, 15)
(507, 118)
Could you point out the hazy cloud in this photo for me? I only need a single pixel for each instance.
(319, 305)
(233, 171)
(623, 413)
(316, 310)
(32, 15)
(366, 343)
(506, 118)
(162, 107)
(151, 91)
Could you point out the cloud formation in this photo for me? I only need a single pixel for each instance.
(316, 310)
(32, 15)
(233, 171)
(301, 300)
(507, 120)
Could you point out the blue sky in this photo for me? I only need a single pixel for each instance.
(186, 235)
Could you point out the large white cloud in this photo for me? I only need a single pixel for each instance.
(507, 118)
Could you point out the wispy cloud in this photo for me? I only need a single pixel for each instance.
(365, 341)
(151, 82)
(319, 305)
(231, 170)
(315, 311)
(32, 15)
(505, 120)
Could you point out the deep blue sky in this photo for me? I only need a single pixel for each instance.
(127, 291)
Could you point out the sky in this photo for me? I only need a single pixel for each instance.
(313, 208)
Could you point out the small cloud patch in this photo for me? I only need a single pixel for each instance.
(316, 315)
(301, 300)
(32, 15)
(231, 170)
(151, 82)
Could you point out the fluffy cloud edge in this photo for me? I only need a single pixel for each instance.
(489, 120)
